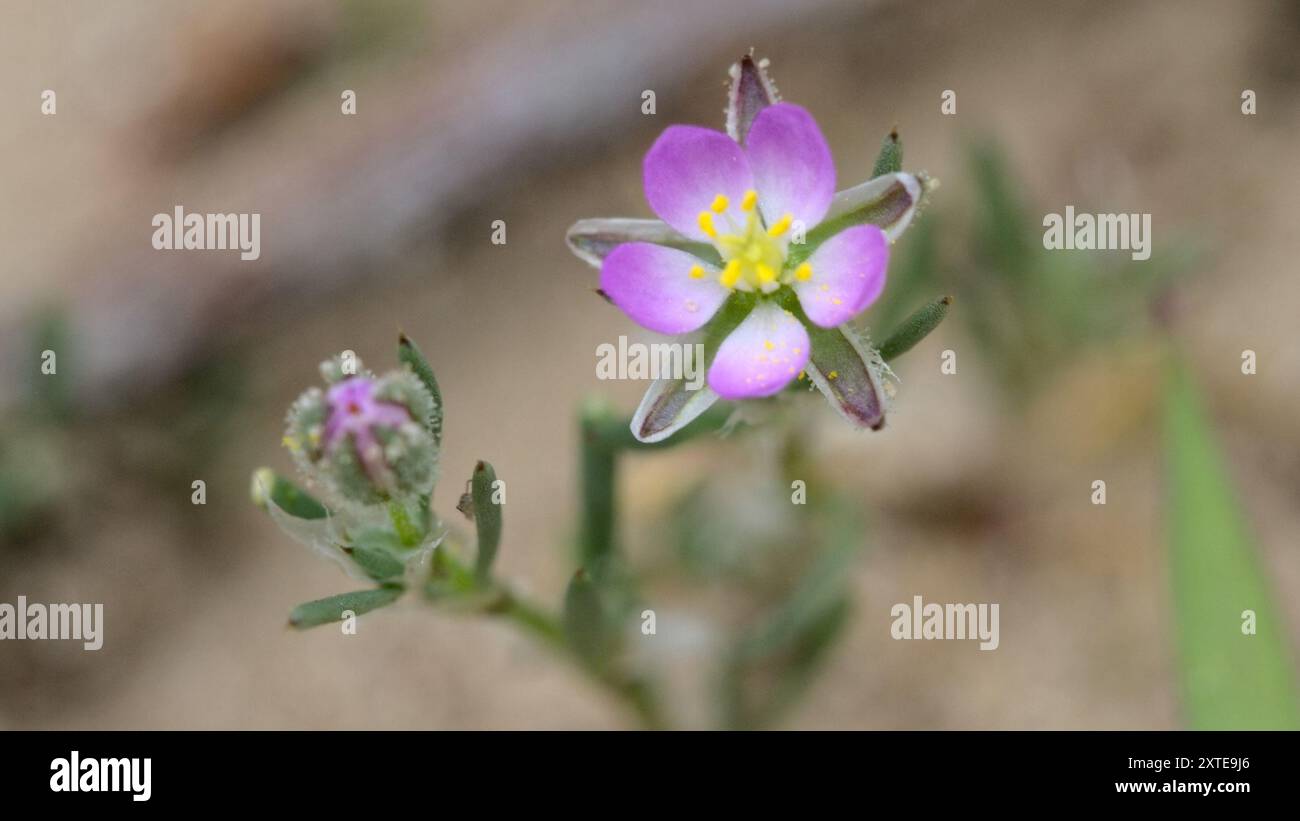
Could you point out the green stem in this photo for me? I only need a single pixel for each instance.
(596, 537)
(545, 628)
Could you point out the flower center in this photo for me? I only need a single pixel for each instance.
(754, 253)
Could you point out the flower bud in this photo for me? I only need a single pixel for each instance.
(360, 438)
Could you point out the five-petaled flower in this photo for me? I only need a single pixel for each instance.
(745, 201)
(758, 253)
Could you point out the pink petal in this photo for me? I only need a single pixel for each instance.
(654, 286)
(793, 170)
(761, 355)
(687, 168)
(848, 273)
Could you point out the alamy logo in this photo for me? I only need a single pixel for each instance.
(1100, 232)
(946, 621)
(77, 774)
(209, 232)
(83, 622)
(656, 360)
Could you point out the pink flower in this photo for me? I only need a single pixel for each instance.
(755, 254)
(746, 201)
(355, 411)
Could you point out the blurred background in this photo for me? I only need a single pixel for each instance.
(177, 367)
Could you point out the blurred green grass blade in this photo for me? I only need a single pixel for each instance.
(1230, 680)
(775, 661)
(324, 611)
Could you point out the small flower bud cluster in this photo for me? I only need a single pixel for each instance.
(365, 439)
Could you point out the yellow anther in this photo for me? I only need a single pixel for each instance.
(731, 274)
(291, 443)
(697, 272)
(832, 374)
(780, 226)
(803, 273)
(767, 343)
(765, 273)
(720, 203)
(750, 200)
(706, 223)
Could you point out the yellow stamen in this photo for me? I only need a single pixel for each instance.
(767, 343)
(697, 272)
(804, 272)
(832, 374)
(706, 223)
(780, 226)
(720, 203)
(731, 274)
(750, 200)
(765, 273)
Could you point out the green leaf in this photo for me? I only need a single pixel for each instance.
(1231, 680)
(584, 620)
(269, 485)
(915, 328)
(487, 518)
(890, 159)
(325, 611)
(374, 552)
(409, 354)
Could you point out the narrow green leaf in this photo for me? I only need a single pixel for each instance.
(487, 518)
(374, 552)
(584, 620)
(915, 328)
(1231, 680)
(293, 500)
(325, 611)
(890, 159)
(409, 353)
